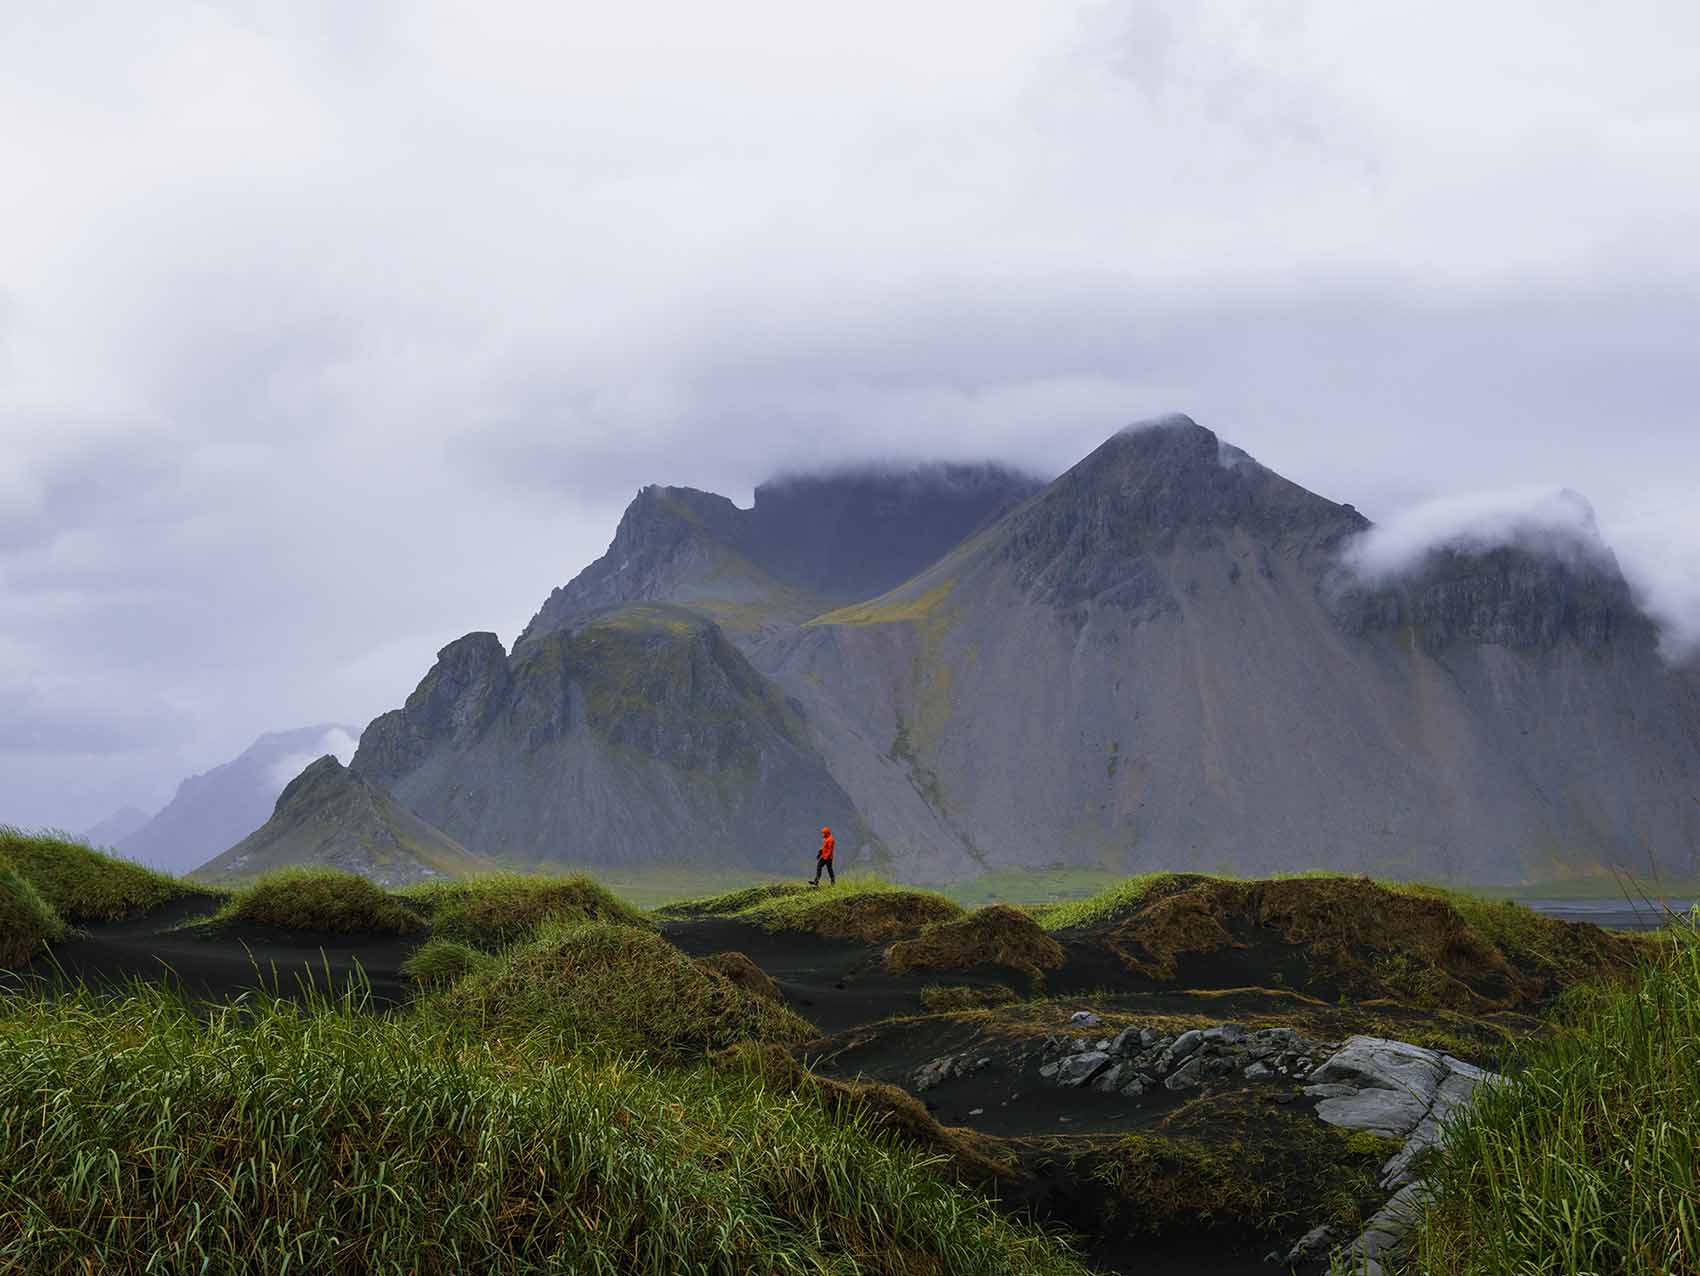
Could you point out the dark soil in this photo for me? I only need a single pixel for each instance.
(223, 963)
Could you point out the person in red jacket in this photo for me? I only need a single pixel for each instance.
(824, 860)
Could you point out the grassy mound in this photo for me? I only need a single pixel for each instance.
(83, 884)
(729, 903)
(1591, 1160)
(606, 984)
(27, 921)
(442, 961)
(862, 908)
(266, 1140)
(320, 899)
(994, 936)
(743, 972)
(1349, 935)
(498, 909)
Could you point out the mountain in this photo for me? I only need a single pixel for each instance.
(116, 827)
(1164, 658)
(331, 817)
(211, 811)
(636, 733)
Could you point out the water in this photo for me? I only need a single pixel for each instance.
(1618, 913)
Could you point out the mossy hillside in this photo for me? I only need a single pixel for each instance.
(860, 908)
(272, 1137)
(320, 899)
(28, 923)
(491, 911)
(83, 884)
(997, 935)
(608, 985)
(941, 999)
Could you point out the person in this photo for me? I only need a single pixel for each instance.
(824, 860)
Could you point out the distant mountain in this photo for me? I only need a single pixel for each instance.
(1164, 658)
(212, 811)
(331, 817)
(116, 827)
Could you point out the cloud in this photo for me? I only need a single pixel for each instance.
(1554, 524)
(331, 332)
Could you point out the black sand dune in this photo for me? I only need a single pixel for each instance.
(166, 946)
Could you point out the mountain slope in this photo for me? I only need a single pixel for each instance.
(636, 734)
(331, 817)
(116, 827)
(221, 806)
(1161, 662)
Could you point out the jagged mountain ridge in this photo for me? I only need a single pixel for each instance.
(1160, 660)
(330, 816)
(807, 543)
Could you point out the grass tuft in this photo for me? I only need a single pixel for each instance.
(862, 908)
(28, 923)
(439, 962)
(83, 884)
(1590, 1161)
(494, 910)
(997, 935)
(605, 984)
(275, 1138)
(730, 902)
(324, 899)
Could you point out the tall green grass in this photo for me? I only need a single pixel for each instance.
(27, 922)
(139, 1137)
(83, 884)
(1590, 1162)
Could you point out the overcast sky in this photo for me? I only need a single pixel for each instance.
(329, 332)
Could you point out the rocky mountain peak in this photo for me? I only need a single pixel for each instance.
(1149, 488)
(827, 539)
(321, 780)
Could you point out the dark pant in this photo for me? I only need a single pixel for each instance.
(831, 877)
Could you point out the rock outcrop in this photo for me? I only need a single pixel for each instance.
(330, 816)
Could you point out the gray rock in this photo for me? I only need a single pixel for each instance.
(1258, 1070)
(1185, 1076)
(1331, 1090)
(1313, 1242)
(1133, 1089)
(1085, 1018)
(1110, 1079)
(1049, 1070)
(1078, 1069)
(1125, 1042)
(1396, 1085)
(1231, 1034)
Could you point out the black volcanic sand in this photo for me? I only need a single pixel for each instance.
(223, 963)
